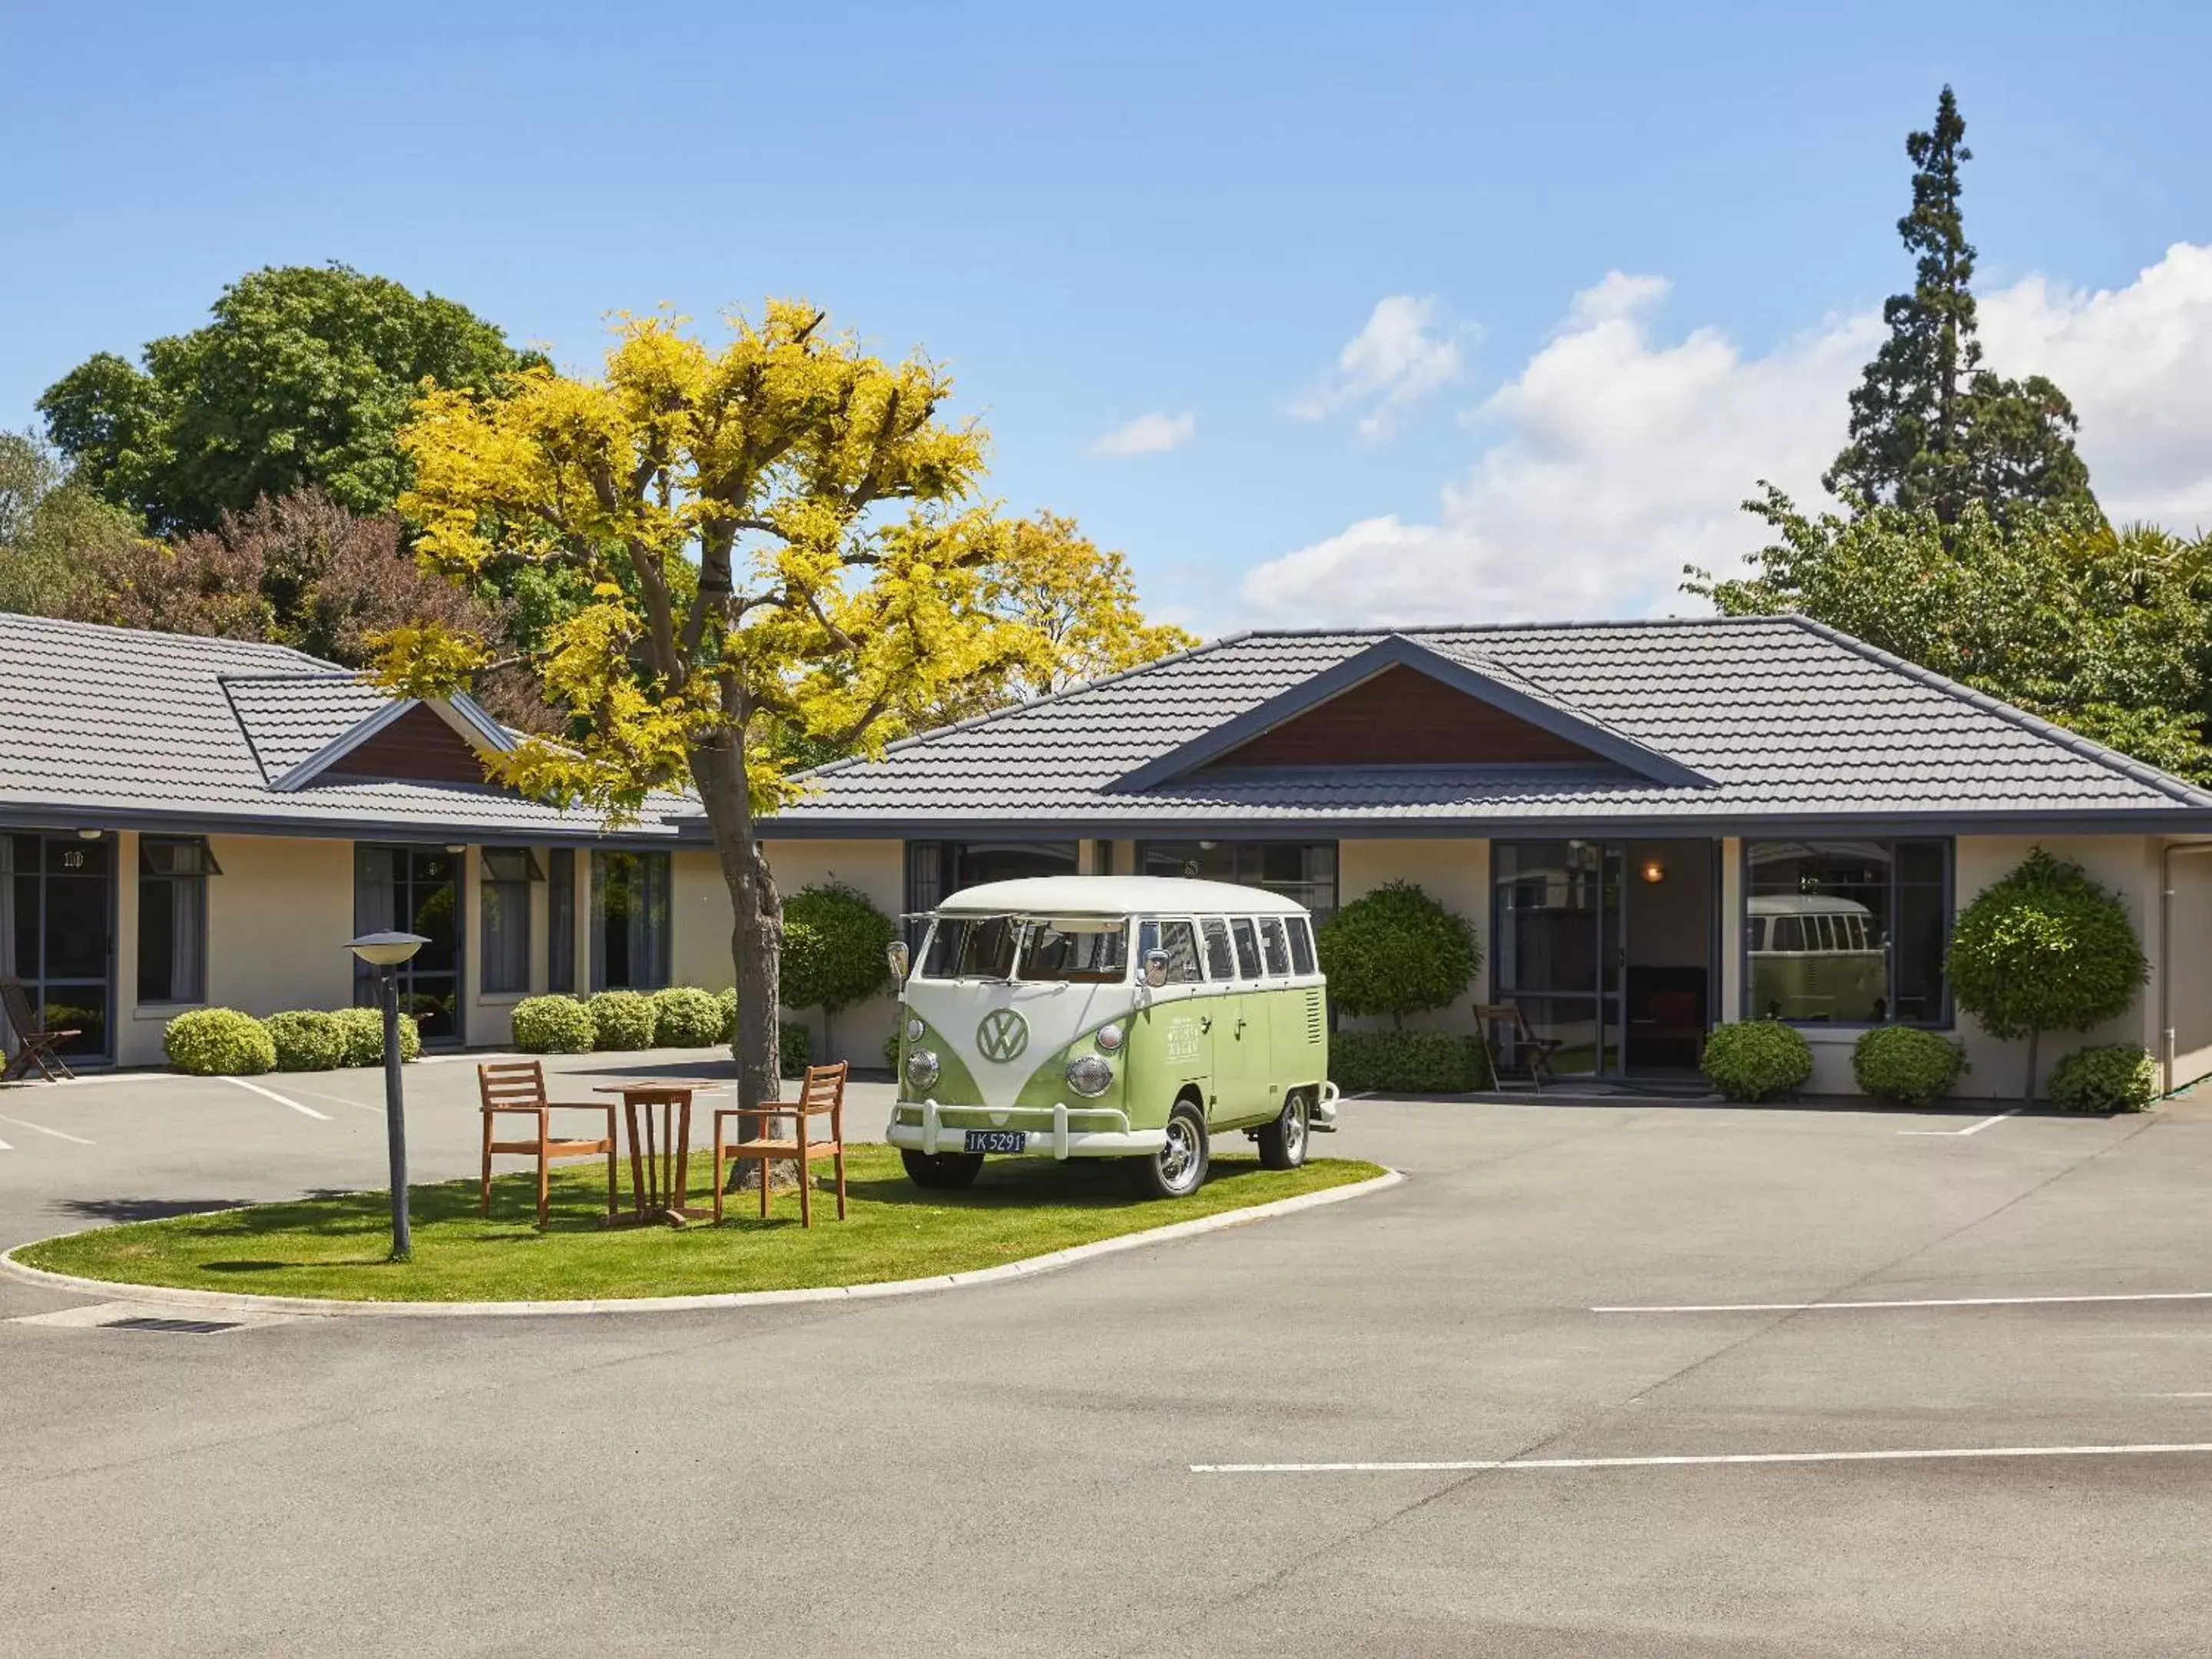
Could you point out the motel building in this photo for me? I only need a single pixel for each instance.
(1655, 826)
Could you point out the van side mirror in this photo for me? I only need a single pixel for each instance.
(900, 959)
(1156, 969)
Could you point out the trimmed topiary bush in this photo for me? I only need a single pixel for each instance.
(1756, 1060)
(307, 1040)
(891, 1051)
(2045, 949)
(553, 1025)
(620, 1020)
(364, 1029)
(685, 1016)
(728, 1001)
(1900, 1062)
(1411, 1062)
(1396, 951)
(2115, 1076)
(794, 1048)
(218, 1042)
(835, 946)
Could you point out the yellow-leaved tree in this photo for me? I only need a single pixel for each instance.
(783, 563)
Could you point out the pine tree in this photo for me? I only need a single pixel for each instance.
(1930, 428)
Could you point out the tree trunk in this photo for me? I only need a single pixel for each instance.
(2027, 1095)
(757, 931)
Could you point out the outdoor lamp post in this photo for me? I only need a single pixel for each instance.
(385, 952)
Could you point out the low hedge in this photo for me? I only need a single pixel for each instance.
(794, 1048)
(1756, 1060)
(2117, 1077)
(1413, 1062)
(307, 1040)
(1902, 1062)
(553, 1025)
(685, 1016)
(728, 1001)
(218, 1042)
(364, 1032)
(620, 1020)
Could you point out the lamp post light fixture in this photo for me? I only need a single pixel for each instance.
(385, 952)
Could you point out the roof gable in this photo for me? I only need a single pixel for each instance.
(1405, 702)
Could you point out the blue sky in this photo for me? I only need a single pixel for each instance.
(1099, 214)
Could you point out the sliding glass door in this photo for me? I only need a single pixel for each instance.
(415, 889)
(57, 901)
(1558, 934)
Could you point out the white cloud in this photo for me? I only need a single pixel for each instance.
(1618, 456)
(1407, 349)
(1149, 435)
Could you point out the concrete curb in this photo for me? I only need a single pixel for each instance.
(109, 1290)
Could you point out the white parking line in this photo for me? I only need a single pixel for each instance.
(1970, 1129)
(1456, 1466)
(5, 1147)
(338, 1100)
(306, 1111)
(1924, 1302)
(59, 1134)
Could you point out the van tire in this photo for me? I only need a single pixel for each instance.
(1283, 1143)
(942, 1171)
(1179, 1169)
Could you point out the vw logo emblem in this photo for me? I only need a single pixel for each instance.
(1003, 1034)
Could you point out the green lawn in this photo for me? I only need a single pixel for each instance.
(334, 1246)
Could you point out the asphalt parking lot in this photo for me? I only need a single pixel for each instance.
(1598, 1333)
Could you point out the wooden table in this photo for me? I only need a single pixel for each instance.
(660, 1175)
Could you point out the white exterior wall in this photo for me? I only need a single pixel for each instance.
(877, 868)
(1456, 872)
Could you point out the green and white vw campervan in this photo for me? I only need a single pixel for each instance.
(1126, 1017)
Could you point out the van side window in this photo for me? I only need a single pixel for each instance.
(1274, 948)
(1179, 939)
(1248, 948)
(1218, 964)
(1788, 936)
(1301, 952)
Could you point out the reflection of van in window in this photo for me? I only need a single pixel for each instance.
(1818, 958)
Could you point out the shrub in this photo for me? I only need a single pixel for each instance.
(835, 946)
(728, 999)
(891, 1050)
(2117, 1077)
(2045, 949)
(553, 1025)
(621, 1020)
(1756, 1060)
(307, 1040)
(1414, 1062)
(1899, 1062)
(364, 1031)
(685, 1016)
(1396, 951)
(794, 1048)
(218, 1042)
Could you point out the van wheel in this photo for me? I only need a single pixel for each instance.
(1283, 1143)
(942, 1170)
(1178, 1169)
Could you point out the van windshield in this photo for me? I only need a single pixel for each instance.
(971, 947)
(1089, 953)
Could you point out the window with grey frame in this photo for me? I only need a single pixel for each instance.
(173, 908)
(560, 920)
(629, 922)
(1847, 931)
(1304, 871)
(503, 900)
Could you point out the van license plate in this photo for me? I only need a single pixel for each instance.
(997, 1141)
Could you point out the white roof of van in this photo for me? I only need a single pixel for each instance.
(1805, 904)
(1115, 895)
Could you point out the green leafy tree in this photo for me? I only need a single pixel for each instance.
(2105, 632)
(2045, 949)
(1396, 951)
(51, 526)
(305, 376)
(1929, 426)
(835, 946)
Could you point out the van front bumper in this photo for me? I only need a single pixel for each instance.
(1059, 1131)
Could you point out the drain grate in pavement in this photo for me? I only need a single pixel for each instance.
(179, 1327)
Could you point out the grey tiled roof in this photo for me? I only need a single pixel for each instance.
(1787, 718)
(111, 725)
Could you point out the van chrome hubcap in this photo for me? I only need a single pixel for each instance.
(1180, 1156)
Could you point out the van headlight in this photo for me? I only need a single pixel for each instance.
(920, 1068)
(1087, 1074)
(914, 1029)
(1109, 1036)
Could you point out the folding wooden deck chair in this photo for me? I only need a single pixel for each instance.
(822, 1095)
(517, 1088)
(34, 1044)
(1506, 1032)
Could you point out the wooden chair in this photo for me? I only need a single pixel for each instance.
(517, 1088)
(34, 1044)
(1505, 1027)
(823, 1094)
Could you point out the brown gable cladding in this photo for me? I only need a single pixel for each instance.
(1401, 717)
(418, 747)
